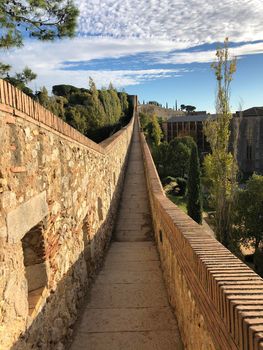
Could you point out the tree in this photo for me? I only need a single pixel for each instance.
(155, 103)
(173, 159)
(145, 119)
(20, 80)
(190, 108)
(4, 70)
(155, 133)
(194, 196)
(26, 76)
(249, 212)
(220, 166)
(115, 104)
(42, 97)
(124, 102)
(178, 159)
(76, 117)
(161, 159)
(64, 90)
(44, 20)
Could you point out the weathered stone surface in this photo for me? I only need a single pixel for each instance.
(36, 276)
(65, 175)
(128, 303)
(27, 215)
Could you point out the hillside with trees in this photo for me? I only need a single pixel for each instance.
(95, 113)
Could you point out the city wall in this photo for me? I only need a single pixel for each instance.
(59, 193)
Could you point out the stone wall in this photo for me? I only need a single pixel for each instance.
(218, 300)
(59, 193)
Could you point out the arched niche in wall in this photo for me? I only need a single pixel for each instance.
(35, 265)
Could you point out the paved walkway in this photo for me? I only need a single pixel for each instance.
(127, 308)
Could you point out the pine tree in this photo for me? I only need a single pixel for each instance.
(44, 20)
(194, 200)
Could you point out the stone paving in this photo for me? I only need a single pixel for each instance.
(127, 307)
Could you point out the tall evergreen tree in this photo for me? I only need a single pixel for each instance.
(194, 200)
(156, 133)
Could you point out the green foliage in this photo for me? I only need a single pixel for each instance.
(56, 104)
(64, 90)
(26, 75)
(20, 80)
(188, 108)
(145, 120)
(44, 20)
(249, 213)
(194, 197)
(155, 131)
(4, 70)
(168, 179)
(220, 166)
(161, 159)
(43, 98)
(76, 116)
(155, 103)
(182, 184)
(179, 152)
(124, 102)
(173, 159)
(95, 113)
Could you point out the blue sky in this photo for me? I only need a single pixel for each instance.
(158, 49)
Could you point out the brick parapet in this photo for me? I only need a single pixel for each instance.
(221, 303)
(17, 104)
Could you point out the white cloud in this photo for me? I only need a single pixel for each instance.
(40, 55)
(119, 28)
(48, 60)
(208, 56)
(186, 22)
(119, 78)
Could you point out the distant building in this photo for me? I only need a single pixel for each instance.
(250, 135)
(250, 140)
(188, 125)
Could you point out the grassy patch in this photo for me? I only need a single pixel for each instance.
(180, 201)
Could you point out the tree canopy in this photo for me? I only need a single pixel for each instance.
(20, 80)
(41, 19)
(188, 108)
(95, 113)
(194, 195)
(249, 212)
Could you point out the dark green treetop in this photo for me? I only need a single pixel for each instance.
(194, 197)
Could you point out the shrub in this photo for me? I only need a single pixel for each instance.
(182, 183)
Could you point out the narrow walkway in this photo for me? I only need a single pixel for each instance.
(128, 307)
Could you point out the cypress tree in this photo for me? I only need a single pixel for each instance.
(194, 199)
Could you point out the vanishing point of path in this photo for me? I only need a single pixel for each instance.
(127, 308)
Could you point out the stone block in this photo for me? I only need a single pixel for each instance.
(26, 216)
(36, 276)
(3, 232)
